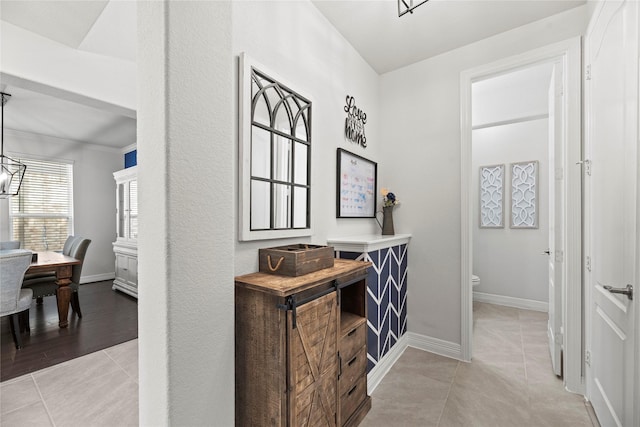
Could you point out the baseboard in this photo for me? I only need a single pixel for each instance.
(97, 277)
(434, 345)
(378, 372)
(526, 304)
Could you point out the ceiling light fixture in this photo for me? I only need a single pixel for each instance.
(11, 171)
(407, 6)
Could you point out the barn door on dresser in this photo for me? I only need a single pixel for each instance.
(313, 361)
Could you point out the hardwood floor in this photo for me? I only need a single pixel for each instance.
(108, 318)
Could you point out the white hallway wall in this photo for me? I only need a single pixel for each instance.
(296, 41)
(93, 193)
(421, 135)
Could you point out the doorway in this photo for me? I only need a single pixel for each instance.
(511, 142)
(568, 254)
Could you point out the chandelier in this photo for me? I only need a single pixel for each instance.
(11, 171)
(407, 6)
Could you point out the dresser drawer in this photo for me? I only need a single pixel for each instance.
(352, 399)
(352, 370)
(352, 339)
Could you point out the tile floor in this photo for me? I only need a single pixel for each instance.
(99, 389)
(509, 383)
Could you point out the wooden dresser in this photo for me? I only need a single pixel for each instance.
(301, 347)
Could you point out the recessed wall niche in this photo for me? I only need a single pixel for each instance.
(275, 155)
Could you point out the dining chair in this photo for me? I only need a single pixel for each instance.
(69, 243)
(14, 301)
(46, 286)
(9, 244)
(51, 275)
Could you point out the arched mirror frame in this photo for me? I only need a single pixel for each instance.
(286, 217)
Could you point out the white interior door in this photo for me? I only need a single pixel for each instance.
(556, 215)
(612, 144)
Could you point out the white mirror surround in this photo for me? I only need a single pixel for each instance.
(275, 156)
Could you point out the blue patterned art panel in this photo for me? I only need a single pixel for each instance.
(386, 299)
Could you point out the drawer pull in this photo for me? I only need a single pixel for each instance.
(352, 361)
(352, 389)
(353, 331)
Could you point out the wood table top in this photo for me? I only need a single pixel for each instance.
(50, 259)
(287, 285)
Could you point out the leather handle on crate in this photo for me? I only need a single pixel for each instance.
(278, 264)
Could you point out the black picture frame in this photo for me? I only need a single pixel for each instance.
(356, 186)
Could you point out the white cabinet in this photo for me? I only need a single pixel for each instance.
(126, 270)
(126, 246)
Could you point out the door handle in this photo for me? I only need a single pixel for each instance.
(628, 291)
(547, 252)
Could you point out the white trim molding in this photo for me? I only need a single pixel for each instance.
(378, 372)
(367, 243)
(129, 148)
(97, 277)
(525, 304)
(435, 345)
(568, 52)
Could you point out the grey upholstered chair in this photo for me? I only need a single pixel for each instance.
(10, 244)
(69, 243)
(14, 301)
(46, 286)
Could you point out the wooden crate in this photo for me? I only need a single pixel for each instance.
(295, 260)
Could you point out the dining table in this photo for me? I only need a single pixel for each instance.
(62, 265)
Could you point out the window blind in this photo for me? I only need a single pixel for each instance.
(42, 213)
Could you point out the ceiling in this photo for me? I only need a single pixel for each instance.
(42, 114)
(512, 95)
(101, 27)
(384, 40)
(388, 42)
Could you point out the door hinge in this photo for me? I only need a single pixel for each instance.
(588, 72)
(587, 357)
(587, 166)
(559, 256)
(587, 263)
(559, 174)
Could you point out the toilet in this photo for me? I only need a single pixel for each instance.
(475, 280)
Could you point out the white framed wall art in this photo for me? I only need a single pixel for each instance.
(524, 194)
(492, 196)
